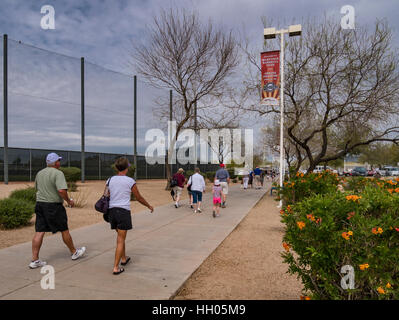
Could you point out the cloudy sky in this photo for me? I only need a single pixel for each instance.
(44, 88)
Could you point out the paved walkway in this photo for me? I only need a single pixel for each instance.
(166, 248)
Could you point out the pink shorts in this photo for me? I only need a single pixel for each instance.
(217, 200)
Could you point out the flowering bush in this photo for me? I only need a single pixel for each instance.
(301, 186)
(324, 232)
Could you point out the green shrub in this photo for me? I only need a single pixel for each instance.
(28, 194)
(130, 171)
(15, 212)
(231, 173)
(356, 184)
(72, 174)
(72, 186)
(210, 175)
(301, 186)
(328, 231)
(189, 173)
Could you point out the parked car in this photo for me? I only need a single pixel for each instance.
(348, 172)
(320, 169)
(389, 171)
(359, 171)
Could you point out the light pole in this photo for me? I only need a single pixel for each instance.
(270, 33)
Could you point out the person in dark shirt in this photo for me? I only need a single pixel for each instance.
(179, 177)
(257, 173)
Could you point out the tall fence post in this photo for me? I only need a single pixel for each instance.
(195, 134)
(170, 133)
(99, 166)
(30, 164)
(135, 127)
(82, 119)
(5, 105)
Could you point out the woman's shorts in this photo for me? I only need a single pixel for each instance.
(50, 217)
(217, 201)
(197, 196)
(120, 218)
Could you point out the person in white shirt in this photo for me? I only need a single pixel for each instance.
(197, 184)
(120, 188)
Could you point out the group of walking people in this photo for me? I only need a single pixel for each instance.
(51, 192)
(253, 179)
(196, 187)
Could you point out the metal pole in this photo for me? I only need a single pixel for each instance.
(135, 127)
(170, 133)
(30, 164)
(5, 105)
(195, 134)
(282, 112)
(82, 94)
(99, 166)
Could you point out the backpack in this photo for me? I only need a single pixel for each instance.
(173, 182)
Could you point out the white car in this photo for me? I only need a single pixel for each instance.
(389, 171)
(320, 169)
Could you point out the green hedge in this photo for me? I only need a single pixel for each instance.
(15, 212)
(28, 194)
(211, 175)
(130, 171)
(72, 174)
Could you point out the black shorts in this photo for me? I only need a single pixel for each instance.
(120, 218)
(50, 217)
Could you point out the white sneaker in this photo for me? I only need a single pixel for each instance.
(199, 210)
(79, 252)
(37, 264)
(195, 211)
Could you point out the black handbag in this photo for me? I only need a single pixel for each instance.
(102, 204)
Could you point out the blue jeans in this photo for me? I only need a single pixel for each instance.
(197, 195)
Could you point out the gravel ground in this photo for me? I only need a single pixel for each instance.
(248, 264)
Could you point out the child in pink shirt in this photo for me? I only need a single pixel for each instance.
(217, 198)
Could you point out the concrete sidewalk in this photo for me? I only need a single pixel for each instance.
(166, 247)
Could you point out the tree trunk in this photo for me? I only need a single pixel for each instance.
(168, 172)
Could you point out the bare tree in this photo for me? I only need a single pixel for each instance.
(192, 58)
(341, 90)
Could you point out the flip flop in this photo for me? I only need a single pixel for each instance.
(119, 272)
(126, 262)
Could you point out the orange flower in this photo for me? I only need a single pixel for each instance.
(363, 266)
(318, 220)
(347, 235)
(301, 224)
(310, 217)
(353, 197)
(286, 246)
(397, 190)
(350, 215)
(282, 212)
(289, 209)
(380, 290)
(377, 231)
(390, 191)
(389, 286)
(305, 298)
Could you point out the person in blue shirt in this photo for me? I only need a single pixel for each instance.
(223, 176)
(257, 173)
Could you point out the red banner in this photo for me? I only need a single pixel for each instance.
(270, 67)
